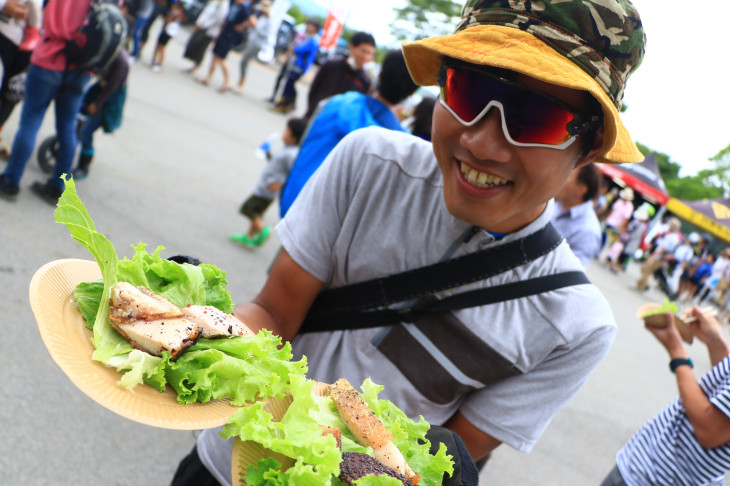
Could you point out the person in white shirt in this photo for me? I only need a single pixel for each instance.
(665, 247)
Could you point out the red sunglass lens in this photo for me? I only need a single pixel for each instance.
(531, 117)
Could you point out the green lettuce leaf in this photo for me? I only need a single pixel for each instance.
(667, 306)
(298, 436)
(239, 368)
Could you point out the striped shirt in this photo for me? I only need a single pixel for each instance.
(665, 450)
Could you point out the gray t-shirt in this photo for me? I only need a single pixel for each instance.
(276, 171)
(375, 207)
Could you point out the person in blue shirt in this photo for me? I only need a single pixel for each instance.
(345, 113)
(299, 59)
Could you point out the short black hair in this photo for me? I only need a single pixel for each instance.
(423, 118)
(296, 127)
(362, 38)
(314, 22)
(589, 176)
(394, 82)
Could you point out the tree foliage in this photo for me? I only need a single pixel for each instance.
(706, 184)
(425, 18)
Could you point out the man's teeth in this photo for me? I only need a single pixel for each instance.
(481, 179)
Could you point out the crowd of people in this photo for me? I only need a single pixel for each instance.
(472, 224)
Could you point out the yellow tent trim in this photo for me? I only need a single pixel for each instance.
(698, 219)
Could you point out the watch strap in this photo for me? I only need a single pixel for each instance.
(677, 362)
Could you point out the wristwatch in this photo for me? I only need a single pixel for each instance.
(677, 362)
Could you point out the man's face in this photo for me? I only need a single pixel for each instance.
(519, 180)
(362, 54)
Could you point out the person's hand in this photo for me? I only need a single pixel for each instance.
(91, 108)
(16, 9)
(704, 326)
(669, 337)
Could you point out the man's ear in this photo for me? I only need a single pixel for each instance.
(595, 150)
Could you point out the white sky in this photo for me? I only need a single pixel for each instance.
(678, 100)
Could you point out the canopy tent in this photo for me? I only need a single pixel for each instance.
(711, 215)
(642, 177)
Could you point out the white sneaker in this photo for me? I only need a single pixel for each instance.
(156, 69)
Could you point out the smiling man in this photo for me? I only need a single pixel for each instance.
(489, 326)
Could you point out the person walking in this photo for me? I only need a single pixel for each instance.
(299, 58)
(232, 34)
(207, 27)
(49, 79)
(256, 40)
(270, 182)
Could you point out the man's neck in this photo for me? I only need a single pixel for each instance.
(570, 203)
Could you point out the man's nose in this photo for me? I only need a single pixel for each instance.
(486, 139)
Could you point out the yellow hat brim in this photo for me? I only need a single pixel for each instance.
(519, 51)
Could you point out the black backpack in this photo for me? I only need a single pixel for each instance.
(99, 38)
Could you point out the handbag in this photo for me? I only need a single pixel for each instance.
(363, 304)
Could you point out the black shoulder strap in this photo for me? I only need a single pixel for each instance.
(359, 319)
(439, 276)
(348, 306)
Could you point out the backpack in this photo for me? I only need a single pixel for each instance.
(99, 38)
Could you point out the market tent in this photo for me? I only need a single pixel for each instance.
(642, 177)
(711, 215)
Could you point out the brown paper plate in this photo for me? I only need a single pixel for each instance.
(248, 452)
(659, 321)
(68, 341)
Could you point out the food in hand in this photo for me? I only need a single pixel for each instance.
(130, 303)
(368, 429)
(173, 335)
(215, 323)
(356, 465)
(153, 324)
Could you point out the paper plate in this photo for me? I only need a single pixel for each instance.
(248, 452)
(660, 321)
(69, 343)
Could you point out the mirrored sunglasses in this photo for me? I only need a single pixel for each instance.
(529, 118)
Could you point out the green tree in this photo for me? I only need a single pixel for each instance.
(703, 185)
(296, 13)
(425, 18)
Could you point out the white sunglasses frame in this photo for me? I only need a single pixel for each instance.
(505, 131)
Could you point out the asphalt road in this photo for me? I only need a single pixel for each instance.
(175, 175)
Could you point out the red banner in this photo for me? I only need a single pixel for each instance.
(334, 24)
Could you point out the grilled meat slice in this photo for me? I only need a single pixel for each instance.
(368, 429)
(355, 465)
(362, 422)
(214, 322)
(129, 303)
(174, 335)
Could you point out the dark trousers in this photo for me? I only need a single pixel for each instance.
(192, 472)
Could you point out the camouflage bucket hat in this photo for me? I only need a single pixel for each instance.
(589, 45)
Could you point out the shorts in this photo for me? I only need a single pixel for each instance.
(163, 38)
(255, 206)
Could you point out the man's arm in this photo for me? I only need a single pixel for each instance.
(283, 302)
(479, 444)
